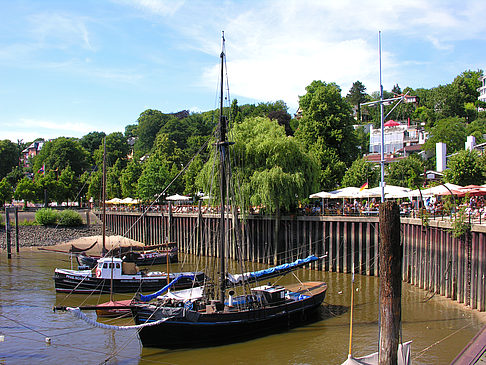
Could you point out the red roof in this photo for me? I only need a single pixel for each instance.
(391, 123)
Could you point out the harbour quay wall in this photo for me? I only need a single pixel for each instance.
(433, 259)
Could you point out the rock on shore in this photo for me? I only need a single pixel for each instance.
(48, 235)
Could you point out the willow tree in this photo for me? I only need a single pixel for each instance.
(269, 168)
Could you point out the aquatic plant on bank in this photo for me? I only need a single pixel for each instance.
(68, 217)
(46, 216)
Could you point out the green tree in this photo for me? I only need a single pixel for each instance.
(9, 157)
(270, 169)
(189, 178)
(154, 179)
(235, 115)
(477, 129)
(48, 186)
(131, 130)
(92, 141)
(95, 185)
(466, 86)
(56, 155)
(113, 184)
(6, 191)
(149, 124)
(465, 168)
(451, 131)
(326, 129)
(26, 190)
(68, 185)
(425, 115)
(356, 96)
(15, 175)
(116, 149)
(360, 172)
(129, 179)
(406, 172)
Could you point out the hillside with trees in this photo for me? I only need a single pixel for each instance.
(278, 159)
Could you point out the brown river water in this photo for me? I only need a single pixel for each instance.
(439, 328)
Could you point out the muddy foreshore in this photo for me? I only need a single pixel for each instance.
(48, 235)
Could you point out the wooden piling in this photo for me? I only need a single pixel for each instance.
(17, 243)
(7, 233)
(390, 282)
(433, 259)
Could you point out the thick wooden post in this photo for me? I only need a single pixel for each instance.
(169, 224)
(17, 243)
(390, 282)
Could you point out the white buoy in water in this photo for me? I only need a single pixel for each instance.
(2, 338)
(48, 340)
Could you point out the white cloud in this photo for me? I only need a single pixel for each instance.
(57, 30)
(29, 129)
(157, 7)
(275, 49)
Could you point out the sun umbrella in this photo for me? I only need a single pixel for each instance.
(177, 197)
(321, 195)
(350, 192)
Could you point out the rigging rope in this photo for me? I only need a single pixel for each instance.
(80, 315)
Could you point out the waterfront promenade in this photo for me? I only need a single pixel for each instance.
(433, 259)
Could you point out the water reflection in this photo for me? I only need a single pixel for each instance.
(27, 296)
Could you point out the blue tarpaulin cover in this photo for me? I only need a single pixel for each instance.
(148, 297)
(270, 272)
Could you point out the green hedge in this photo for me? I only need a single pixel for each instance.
(46, 216)
(70, 218)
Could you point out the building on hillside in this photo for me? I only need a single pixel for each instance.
(482, 90)
(30, 152)
(399, 138)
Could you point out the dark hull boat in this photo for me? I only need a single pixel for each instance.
(140, 258)
(114, 276)
(209, 326)
(79, 284)
(152, 258)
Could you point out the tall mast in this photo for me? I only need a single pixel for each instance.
(222, 179)
(103, 196)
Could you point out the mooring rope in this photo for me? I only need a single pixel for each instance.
(80, 315)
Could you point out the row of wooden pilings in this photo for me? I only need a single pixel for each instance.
(432, 258)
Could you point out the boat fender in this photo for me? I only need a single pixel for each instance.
(230, 299)
(98, 272)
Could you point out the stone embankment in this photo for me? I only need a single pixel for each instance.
(48, 235)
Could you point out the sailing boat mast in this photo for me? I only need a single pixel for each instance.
(222, 179)
(103, 196)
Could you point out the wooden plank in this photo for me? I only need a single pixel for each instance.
(368, 258)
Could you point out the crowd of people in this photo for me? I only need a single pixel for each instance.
(434, 206)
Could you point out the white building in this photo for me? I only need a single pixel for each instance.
(397, 136)
(482, 90)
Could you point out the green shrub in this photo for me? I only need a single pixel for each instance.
(70, 218)
(27, 222)
(46, 216)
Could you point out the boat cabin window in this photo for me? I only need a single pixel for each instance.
(105, 265)
(117, 265)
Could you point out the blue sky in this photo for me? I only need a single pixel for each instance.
(71, 67)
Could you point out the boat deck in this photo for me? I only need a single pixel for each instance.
(312, 287)
(474, 352)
